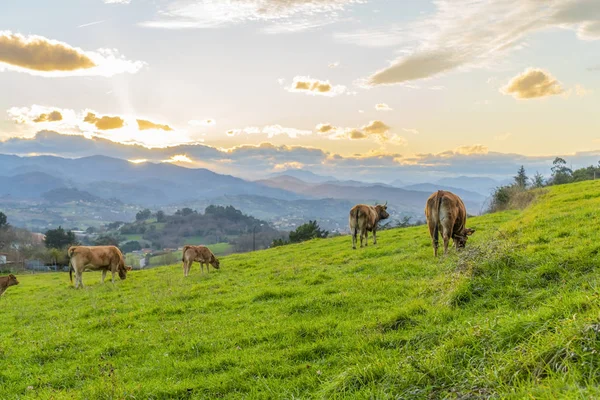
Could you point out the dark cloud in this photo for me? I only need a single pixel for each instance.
(144, 125)
(50, 117)
(104, 123)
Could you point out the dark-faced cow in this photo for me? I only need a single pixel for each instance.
(446, 212)
(96, 258)
(202, 254)
(364, 219)
(6, 281)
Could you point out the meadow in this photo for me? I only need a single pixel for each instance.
(516, 315)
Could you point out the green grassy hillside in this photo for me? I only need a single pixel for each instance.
(516, 315)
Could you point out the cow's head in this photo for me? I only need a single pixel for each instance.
(215, 262)
(123, 272)
(12, 280)
(461, 240)
(382, 211)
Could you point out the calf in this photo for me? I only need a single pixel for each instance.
(202, 254)
(445, 211)
(96, 258)
(6, 281)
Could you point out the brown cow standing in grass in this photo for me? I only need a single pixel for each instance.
(364, 219)
(202, 254)
(445, 211)
(96, 258)
(6, 281)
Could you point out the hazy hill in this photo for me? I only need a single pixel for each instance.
(515, 315)
(431, 188)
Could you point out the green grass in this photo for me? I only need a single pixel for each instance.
(516, 315)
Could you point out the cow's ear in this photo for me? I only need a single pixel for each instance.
(469, 231)
(128, 268)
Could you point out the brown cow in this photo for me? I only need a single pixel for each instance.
(365, 218)
(202, 254)
(446, 211)
(6, 281)
(96, 258)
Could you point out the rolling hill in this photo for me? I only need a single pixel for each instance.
(515, 315)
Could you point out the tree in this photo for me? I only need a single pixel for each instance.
(185, 212)
(143, 215)
(130, 246)
(561, 174)
(3, 220)
(538, 180)
(106, 240)
(160, 216)
(59, 239)
(521, 178)
(307, 231)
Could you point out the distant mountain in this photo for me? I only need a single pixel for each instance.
(306, 176)
(286, 182)
(481, 185)
(145, 183)
(29, 185)
(431, 188)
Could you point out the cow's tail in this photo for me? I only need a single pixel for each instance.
(438, 206)
(356, 222)
(70, 254)
(187, 246)
(70, 271)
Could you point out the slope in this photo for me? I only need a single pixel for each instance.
(516, 315)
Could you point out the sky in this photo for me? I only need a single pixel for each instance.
(371, 89)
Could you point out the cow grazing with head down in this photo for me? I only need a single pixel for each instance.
(446, 212)
(202, 254)
(6, 281)
(364, 219)
(96, 258)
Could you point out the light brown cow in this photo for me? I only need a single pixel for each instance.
(202, 254)
(445, 211)
(6, 281)
(96, 258)
(365, 219)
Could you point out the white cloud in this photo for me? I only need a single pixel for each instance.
(533, 83)
(117, 1)
(334, 64)
(202, 122)
(439, 43)
(269, 130)
(281, 15)
(383, 107)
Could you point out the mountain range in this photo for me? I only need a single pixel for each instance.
(286, 199)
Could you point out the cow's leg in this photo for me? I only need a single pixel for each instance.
(374, 236)
(354, 239)
(366, 238)
(446, 237)
(103, 275)
(434, 237)
(78, 279)
(113, 276)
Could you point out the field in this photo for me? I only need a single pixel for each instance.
(515, 315)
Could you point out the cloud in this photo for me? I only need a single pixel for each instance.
(471, 150)
(270, 130)
(179, 158)
(503, 137)
(89, 123)
(533, 83)
(38, 55)
(52, 116)
(203, 122)
(376, 130)
(413, 131)
(582, 91)
(325, 128)
(288, 165)
(315, 87)
(383, 107)
(438, 43)
(91, 23)
(145, 125)
(334, 64)
(250, 160)
(105, 122)
(117, 1)
(281, 15)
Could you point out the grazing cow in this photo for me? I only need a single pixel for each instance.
(364, 219)
(445, 211)
(96, 258)
(6, 281)
(202, 254)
